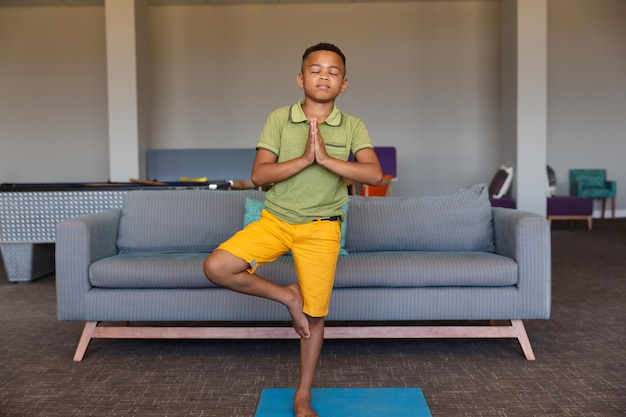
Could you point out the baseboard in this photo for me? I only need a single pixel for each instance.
(619, 213)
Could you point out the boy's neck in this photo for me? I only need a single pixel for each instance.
(320, 111)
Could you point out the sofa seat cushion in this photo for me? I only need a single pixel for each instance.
(364, 269)
(425, 269)
(141, 270)
(461, 221)
(170, 270)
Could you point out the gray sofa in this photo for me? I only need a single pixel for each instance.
(410, 261)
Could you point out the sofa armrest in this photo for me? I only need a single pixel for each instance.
(79, 242)
(525, 237)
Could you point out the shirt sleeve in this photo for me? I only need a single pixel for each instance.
(361, 138)
(271, 133)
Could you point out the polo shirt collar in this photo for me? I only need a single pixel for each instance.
(297, 115)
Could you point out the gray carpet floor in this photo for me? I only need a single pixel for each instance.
(580, 368)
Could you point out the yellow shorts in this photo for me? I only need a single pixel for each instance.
(314, 246)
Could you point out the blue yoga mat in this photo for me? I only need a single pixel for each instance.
(348, 402)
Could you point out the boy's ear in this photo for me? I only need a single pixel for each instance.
(300, 80)
(344, 85)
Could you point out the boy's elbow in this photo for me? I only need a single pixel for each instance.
(256, 180)
(259, 181)
(378, 178)
(379, 181)
(373, 181)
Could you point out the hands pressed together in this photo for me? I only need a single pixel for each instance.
(315, 150)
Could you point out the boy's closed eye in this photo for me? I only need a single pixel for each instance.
(315, 69)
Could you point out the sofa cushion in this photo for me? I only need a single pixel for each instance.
(180, 221)
(425, 269)
(590, 181)
(460, 221)
(254, 208)
(150, 270)
(365, 269)
(501, 182)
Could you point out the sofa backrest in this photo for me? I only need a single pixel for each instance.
(460, 221)
(199, 220)
(180, 220)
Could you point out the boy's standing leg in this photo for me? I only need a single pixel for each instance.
(315, 255)
(309, 356)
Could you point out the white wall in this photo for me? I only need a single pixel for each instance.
(587, 90)
(53, 116)
(424, 76)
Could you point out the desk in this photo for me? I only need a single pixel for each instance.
(30, 212)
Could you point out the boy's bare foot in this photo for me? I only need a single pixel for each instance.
(298, 318)
(302, 405)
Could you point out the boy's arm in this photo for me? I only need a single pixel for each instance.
(266, 170)
(366, 169)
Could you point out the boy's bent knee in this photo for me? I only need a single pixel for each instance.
(220, 265)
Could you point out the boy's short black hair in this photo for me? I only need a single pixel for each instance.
(324, 47)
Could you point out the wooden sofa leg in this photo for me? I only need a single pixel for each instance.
(85, 338)
(522, 338)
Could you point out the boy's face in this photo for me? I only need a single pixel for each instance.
(322, 76)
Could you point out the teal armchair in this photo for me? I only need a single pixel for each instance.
(592, 183)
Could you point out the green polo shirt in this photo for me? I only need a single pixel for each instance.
(314, 191)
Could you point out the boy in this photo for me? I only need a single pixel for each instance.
(303, 151)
